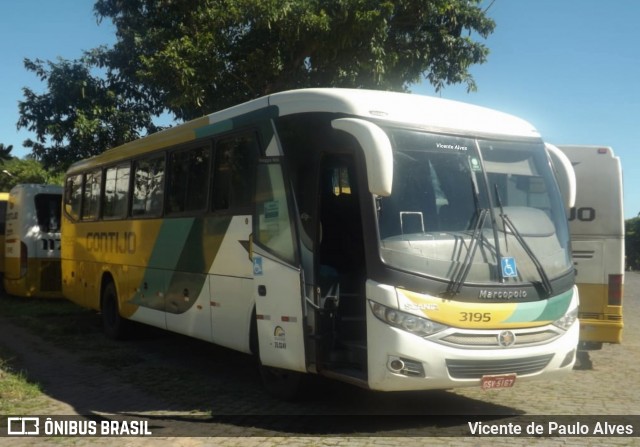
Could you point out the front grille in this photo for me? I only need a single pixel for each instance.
(475, 369)
(50, 276)
(491, 340)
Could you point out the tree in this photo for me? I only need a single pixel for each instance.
(193, 57)
(5, 152)
(632, 243)
(197, 56)
(80, 114)
(27, 170)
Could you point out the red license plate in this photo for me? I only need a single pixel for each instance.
(493, 382)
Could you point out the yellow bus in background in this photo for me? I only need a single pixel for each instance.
(32, 241)
(392, 241)
(597, 230)
(4, 198)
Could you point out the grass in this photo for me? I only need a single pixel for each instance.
(17, 394)
(140, 362)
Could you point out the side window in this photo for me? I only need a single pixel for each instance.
(3, 216)
(272, 228)
(48, 212)
(116, 192)
(73, 196)
(91, 196)
(188, 180)
(234, 169)
(148, 186)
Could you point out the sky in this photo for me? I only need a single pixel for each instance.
(569, 67)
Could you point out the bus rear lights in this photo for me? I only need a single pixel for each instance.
(567, 320)
(405, 321)
(615, 290)
(406, 367)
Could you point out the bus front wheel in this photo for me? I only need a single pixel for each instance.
(114, 325)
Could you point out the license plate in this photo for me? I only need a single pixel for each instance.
(493, 382)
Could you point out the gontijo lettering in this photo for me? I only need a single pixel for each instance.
(112, 241)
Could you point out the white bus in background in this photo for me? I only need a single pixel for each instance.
(597, 232)
(32, 241)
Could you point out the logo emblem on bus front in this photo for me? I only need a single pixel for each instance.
(506, 339)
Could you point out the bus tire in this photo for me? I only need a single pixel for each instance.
(115, 327)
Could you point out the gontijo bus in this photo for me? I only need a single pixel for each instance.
(32, 244)
(597, 228)
(394, 241)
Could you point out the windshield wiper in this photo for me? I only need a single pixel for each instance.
(463, 270)
(508, 223)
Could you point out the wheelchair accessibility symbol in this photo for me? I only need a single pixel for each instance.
(257, 266)
(509, 269)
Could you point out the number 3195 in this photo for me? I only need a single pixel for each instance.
(475, 317)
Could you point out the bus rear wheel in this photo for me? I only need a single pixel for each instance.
(114, 325)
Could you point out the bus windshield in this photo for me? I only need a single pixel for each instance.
(473, 211)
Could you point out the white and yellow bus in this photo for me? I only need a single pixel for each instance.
(393, 241)
(596, 223)
(4, 199)
(32, 241)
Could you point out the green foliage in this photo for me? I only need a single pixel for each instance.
(17, 171)
(17, 394)
(194, 57)
(5, 152)
(632, 243)
(14, 171)
(79, 115)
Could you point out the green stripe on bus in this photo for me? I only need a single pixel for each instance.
(548, 310)
(557, 306)
(213, 129)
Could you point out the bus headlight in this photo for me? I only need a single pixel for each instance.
(567, 320)
(408, 322)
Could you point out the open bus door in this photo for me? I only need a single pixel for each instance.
(278, 284)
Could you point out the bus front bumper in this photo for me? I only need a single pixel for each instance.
(399, 360)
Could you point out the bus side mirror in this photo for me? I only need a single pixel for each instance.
(565, 175)
(377, 152)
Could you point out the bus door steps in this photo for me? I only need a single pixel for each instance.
(357, 377)
(352, 328)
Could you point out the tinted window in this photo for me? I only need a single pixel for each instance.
(234, 171)
(73, 192)
(116, 192)
(189, 180)
(48, 208)
(91, 196)
(148, 187)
